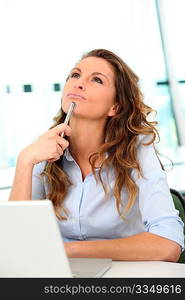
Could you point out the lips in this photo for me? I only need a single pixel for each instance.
(76, 96)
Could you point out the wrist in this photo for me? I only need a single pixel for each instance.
(25, 159)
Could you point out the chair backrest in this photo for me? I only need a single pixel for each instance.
(179, 203)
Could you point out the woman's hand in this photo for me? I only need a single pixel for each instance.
(48, 147)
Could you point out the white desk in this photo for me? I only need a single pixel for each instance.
(153, 269)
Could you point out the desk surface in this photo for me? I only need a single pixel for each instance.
(153, 269)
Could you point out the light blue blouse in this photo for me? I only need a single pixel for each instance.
(93, 216)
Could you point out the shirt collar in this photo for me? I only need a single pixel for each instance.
(69, 157)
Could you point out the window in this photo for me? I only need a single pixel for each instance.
(42, 46)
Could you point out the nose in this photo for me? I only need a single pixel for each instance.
(79, 84)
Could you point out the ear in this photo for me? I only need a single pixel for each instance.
(113, 110)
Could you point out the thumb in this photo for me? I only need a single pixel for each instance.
(62, 128)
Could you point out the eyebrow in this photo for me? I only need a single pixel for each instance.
(94, 73)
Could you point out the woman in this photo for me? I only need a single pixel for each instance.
(105, 181)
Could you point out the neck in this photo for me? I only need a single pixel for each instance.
(86, 138)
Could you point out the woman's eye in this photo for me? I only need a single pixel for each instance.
(97, 79)
(75, 75)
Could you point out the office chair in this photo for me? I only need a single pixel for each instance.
(179, 203)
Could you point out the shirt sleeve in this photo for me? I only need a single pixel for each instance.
(158, 212)
(38, 186)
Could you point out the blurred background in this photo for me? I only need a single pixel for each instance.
(41, 40)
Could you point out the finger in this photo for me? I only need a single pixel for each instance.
(62, 142)
(67, 130)
(51, 160)
(62, 128)
(60, 150)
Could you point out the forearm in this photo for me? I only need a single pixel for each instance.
(140, 247)
(22, 184)
(48, 147)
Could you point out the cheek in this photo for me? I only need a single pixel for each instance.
(65, 88)
(111, 96)
(64, 100)
(106, 97)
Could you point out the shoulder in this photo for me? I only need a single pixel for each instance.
(146, 154)
(144, 140)
(145, 143)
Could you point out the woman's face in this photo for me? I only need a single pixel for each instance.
(91, 86)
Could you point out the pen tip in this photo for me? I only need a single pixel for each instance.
(74, 104)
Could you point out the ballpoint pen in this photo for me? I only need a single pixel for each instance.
(68, 116)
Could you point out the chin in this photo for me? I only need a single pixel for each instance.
(65, 106)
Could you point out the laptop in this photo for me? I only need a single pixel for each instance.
(31, 244)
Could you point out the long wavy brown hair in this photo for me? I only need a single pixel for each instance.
(121, 138)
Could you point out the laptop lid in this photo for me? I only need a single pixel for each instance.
(31, 244)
